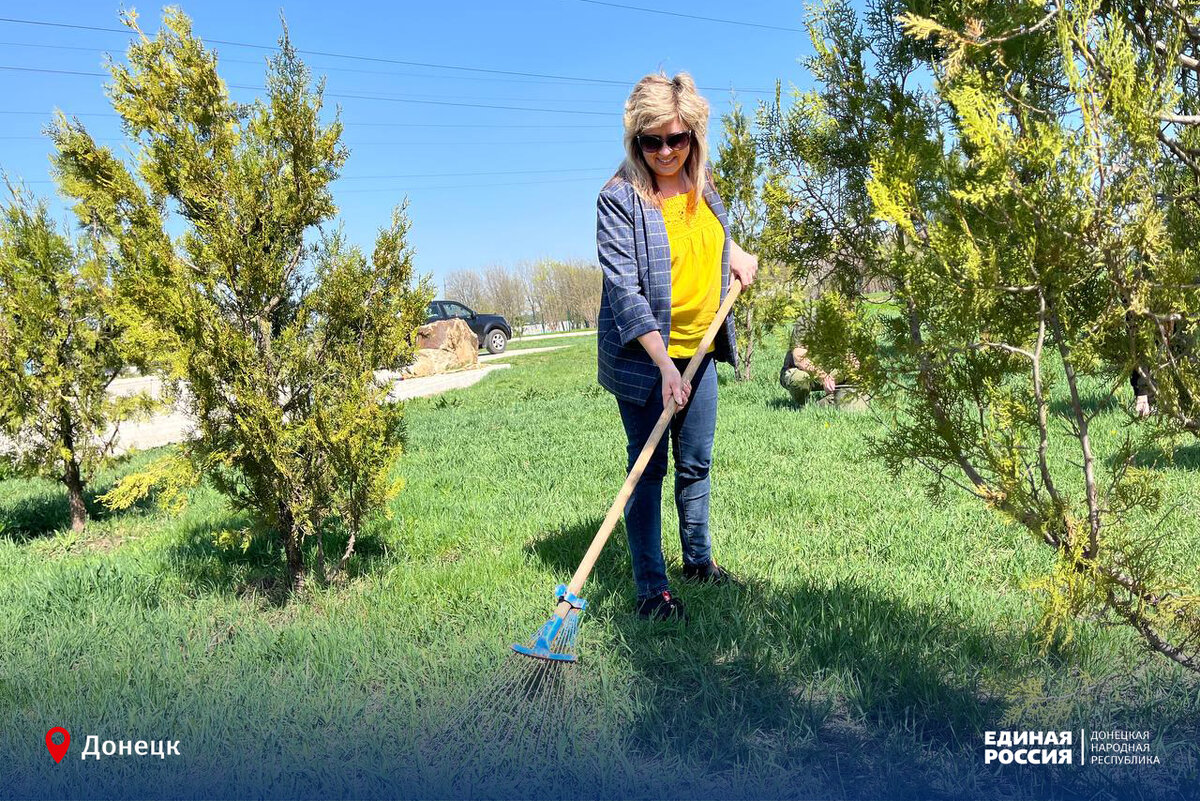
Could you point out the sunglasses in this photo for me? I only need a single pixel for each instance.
(652, 144)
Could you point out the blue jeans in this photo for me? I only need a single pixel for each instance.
(691, 435)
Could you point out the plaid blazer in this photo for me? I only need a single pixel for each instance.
(635, 260)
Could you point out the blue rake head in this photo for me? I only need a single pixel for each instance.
(555, 640)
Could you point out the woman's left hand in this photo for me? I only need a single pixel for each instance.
(742, 265)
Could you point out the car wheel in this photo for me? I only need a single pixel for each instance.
(496, 341)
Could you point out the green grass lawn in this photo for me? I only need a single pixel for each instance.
(876, 640)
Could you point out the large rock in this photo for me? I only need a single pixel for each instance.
(443, 346)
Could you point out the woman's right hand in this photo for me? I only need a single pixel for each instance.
(673, 385)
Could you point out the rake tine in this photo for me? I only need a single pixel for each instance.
(555, 641)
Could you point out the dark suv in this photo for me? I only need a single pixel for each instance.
(492, 330)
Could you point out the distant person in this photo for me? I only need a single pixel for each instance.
(666, 257)
(1176, 345)
(1143, 392)
(801, 376)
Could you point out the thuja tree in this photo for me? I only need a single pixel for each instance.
(869, 88)
(61, 348)
(1162, 313)
(273, 329)
(1015, 207)
(749, 188)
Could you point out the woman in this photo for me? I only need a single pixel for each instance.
(666, 257)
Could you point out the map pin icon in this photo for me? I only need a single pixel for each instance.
(58, 750)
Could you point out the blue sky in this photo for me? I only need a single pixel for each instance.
(495, 185)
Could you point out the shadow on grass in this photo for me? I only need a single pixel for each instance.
(785, 404)
(40, 507)
(1161, 453)
(1186, 457)
(1091, 404)
(815, 401)
(820, 679)
(259, 570)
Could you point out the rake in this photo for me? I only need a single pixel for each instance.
(555, 640)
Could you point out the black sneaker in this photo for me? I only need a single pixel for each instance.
(661, 607)
(711, 573)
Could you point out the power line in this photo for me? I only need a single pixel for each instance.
(316, 68)
(56, 72)
(471, 186)
(391, 73)
(356, 124)
(374, 59)
(468, 125)
(477, 143)
(695, 16)
(344, 95)
(375, 190)
(475, 174)
(81, 114)
(364, 143)
(465, 174)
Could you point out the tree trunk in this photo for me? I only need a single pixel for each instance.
(291, 547)
(71, 476)
(321, 577)
(743, 368)
(74, 482)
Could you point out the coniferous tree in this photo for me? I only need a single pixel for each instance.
(62, 347)
(1001, 167)
(749, 188)
(272, 325)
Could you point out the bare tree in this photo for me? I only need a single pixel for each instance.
(504, 293)
(527, 273)
(581, 284)
(465, 286)
(547, 287)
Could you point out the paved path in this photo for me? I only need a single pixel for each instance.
(552, 335)
(175, 426)
(409, 388)
(491, 357)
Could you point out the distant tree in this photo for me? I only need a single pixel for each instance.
(546, 289)
(566, 293)
(504, 293)
(752, 195)
(584, 282)
(275, 336)
(61, 347)
(526, 272)
(466, 287)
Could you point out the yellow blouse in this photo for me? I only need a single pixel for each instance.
(697, 241)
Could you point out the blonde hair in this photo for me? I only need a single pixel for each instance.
(654, 101)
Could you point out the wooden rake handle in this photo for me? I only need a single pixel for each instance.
(664, 420)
